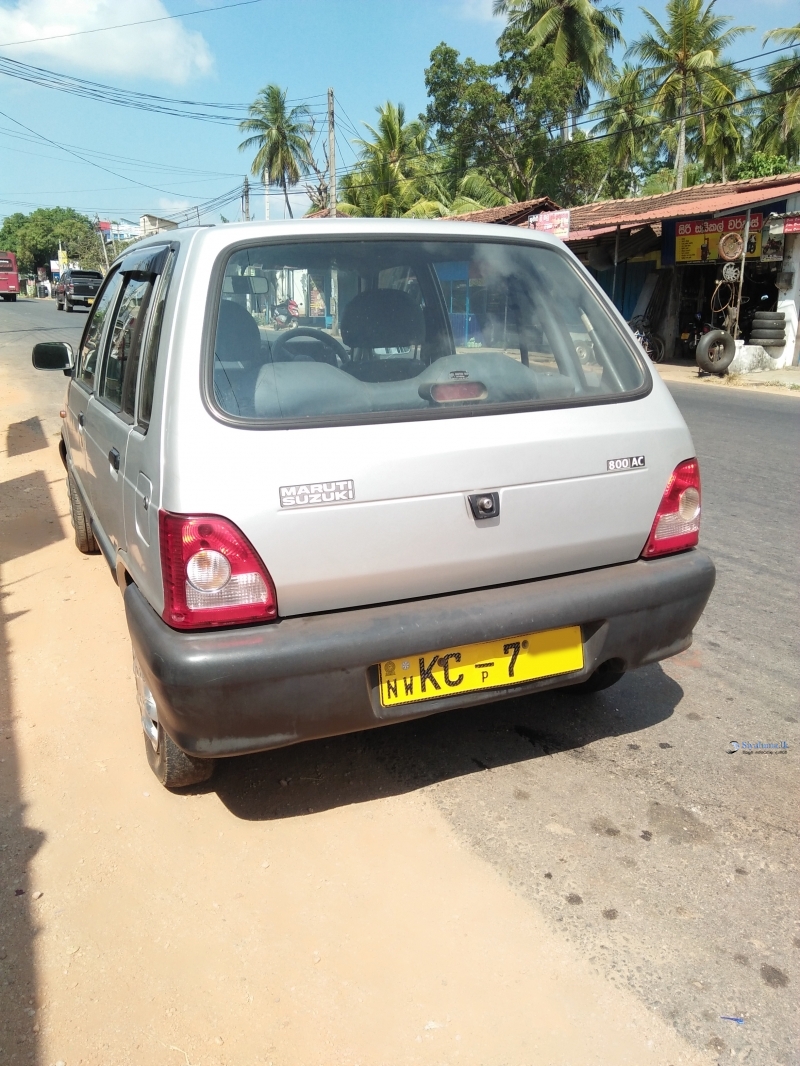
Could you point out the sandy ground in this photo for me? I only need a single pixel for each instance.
(786, 382)
(139, 926)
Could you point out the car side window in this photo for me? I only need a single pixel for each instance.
(148, 375)
(93, 335)
(125, 343)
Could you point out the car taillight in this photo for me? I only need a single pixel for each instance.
(212, 574)
(677, 522)
(458, 391)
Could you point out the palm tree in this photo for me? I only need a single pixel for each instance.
(401, 175)
(784, 78)
(281, 137)
(579, 31)
(626, 119)
(682, 61)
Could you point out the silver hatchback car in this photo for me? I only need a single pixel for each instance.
(455, 480)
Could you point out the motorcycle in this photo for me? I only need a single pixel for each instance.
(691, 336)
(285, 315)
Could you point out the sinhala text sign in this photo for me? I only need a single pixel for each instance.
(697, 239)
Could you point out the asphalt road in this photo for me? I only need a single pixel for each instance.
(621, 817)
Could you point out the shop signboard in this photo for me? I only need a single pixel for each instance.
(791, 225)
(555, 222)
(697, 239)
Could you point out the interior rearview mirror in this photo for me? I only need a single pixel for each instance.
(53, 355)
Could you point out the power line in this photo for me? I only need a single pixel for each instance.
(76, 155)
(222, 113)
(555, 147)
(141, 22)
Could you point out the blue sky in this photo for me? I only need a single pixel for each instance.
(368, 50)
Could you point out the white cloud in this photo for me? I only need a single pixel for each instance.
(478, 10)
(163, 51)
(168, 205)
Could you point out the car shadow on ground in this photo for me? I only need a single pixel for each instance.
(28, 521)
(325, 774)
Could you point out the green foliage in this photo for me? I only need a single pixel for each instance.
(579, 32)
(684, 70)
(35, 237)
(760, 165)
(502, 119)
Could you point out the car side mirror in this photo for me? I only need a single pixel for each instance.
(53, 355)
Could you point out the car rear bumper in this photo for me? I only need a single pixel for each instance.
(242, 690)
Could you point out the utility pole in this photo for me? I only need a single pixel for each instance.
(246, 199)
(332, 211)
(100, 237)
(331, 157)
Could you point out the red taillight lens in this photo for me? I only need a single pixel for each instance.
(212, 574)
(677, 522)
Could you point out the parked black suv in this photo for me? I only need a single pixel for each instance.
(77, 287)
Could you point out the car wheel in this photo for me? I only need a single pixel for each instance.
(84, 537)
(606, 675)
(59, 305)
(173, 767)
(13, 297)
(68, 306)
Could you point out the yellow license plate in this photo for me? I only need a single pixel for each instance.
(474, 667)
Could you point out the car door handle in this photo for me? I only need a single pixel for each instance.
(80, 419)
(113, 458)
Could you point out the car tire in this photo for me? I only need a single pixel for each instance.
(68, 306)
(13, 297)
(84, 537)
(769, 316)
(606, 675)
(59, 306)
(172, 766)
(715, 351)
(760, 333)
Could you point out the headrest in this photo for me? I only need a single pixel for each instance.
(382, 318)
(238, 337)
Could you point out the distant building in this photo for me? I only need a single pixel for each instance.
(119, 231)
(150, 224)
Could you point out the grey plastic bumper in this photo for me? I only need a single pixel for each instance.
(242, 690)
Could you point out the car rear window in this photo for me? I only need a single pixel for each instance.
(344, 330)
(86, 274)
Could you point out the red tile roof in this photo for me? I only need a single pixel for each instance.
(509, 214)
(697, 200)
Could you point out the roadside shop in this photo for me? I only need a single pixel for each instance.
(687, 261)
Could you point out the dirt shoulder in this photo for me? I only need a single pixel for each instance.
(785, 381)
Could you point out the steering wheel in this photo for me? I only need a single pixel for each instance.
(335, 348)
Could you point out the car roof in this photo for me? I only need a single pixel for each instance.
(234, 233)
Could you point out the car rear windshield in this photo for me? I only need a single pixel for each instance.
(86, 274)
(367, 330)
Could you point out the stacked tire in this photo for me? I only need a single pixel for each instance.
(769, 329)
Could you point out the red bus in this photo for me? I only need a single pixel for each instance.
(9, 278)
